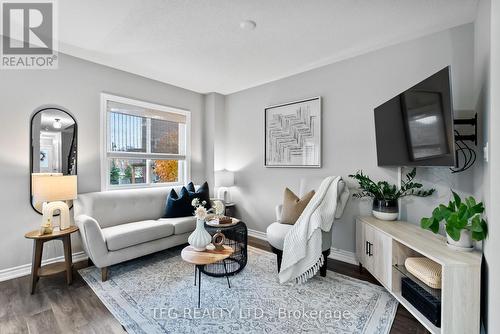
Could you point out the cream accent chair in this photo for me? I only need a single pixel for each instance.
(276, 232)
(121, 225)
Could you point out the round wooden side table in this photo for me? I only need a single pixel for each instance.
(199, 259)
(37, 270)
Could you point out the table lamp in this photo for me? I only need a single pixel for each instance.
(223, 180)
(52, 190)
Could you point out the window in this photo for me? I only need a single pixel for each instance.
(144, 144)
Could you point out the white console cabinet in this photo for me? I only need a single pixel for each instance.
(383, 245)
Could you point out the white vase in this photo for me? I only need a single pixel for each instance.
(200, 238)
(464, 244)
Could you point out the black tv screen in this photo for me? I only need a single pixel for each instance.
(415, 128)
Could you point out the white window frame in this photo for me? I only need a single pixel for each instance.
(105, 98)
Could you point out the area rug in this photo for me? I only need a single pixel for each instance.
(156, 294)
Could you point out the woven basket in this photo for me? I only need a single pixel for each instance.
(426, 270)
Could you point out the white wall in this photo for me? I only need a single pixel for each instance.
(76, 85)
(350, 90)
(488, 103)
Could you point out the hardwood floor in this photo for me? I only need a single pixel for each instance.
(404, 323)
(54, 308)
(58, 308)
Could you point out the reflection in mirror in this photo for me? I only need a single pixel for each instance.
(53, 144)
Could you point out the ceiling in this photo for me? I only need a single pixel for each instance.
(198, 45)
(49, 116)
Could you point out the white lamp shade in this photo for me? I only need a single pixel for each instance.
(49, 188)
(224, 178)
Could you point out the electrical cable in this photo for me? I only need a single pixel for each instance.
(468, 153)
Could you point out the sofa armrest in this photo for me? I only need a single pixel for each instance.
(278, 210)
(93, 239)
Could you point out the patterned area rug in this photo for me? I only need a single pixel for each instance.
(155, 294)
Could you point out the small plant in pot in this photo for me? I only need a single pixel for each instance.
(385, 196)
(463, 222)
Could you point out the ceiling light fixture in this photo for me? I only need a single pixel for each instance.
(248, 25)
(57, 124)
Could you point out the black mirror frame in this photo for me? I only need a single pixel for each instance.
(75, 136)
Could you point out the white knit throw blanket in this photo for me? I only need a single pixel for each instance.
(302, 254)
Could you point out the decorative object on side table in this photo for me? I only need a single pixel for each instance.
(219, 209)
(54, 268)
(200, 238)
(293, 134)
(225, 220)
(385, 196)
(463, 222)
(218, 240)
(236, 237)
(52, 190)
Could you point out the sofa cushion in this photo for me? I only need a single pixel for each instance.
(203, 194)
(182, 224)
(130, 234)
(178, 205)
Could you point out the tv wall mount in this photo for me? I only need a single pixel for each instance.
(467, 121)
(462, 149)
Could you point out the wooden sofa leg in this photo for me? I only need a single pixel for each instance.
(104, 274)
(322, 270)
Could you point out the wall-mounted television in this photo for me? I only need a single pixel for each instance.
(416, 128)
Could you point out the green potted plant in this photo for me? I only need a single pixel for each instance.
(463, 222)
(385, 196)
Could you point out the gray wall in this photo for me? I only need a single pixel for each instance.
(350, 90)
(214, 138)
(76, 86)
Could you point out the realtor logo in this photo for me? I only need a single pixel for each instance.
(28, 35)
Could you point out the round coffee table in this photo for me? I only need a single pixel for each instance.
(236, 238)
(200, 259)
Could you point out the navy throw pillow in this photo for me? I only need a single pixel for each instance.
(178, 205)
(203, 193)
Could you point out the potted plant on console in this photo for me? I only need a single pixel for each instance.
(385, 196)
(463, 222)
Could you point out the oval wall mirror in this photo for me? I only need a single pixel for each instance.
(53, 145)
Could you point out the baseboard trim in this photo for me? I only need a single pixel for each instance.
(257, 234)
(343, 255)
(335, 253)
(25, 269)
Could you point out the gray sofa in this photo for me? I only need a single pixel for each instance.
(121, 225)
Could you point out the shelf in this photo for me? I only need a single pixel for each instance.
(403, 271)
(416, 313)
(460, 308)
(52, 269)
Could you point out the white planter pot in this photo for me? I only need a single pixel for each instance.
(200, 238)
(385, 209)
(385, 215)
(464, 244)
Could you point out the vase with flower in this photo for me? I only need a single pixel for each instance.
(200, 238)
